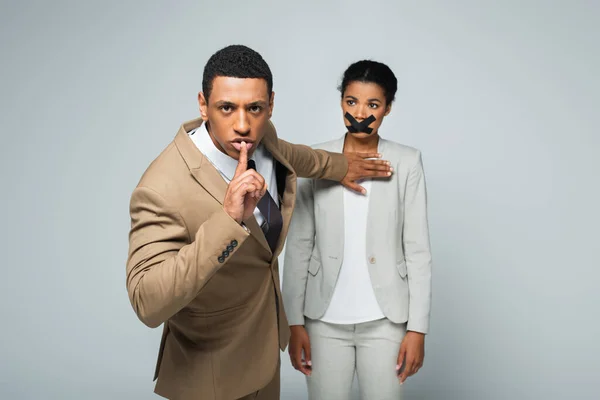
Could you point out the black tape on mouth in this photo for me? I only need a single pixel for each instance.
(356, 127)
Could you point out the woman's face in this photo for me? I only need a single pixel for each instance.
(361, 100)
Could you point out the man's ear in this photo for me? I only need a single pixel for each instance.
(271, 104)
(203, 104)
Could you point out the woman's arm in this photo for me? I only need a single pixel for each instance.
(299, 247)
(417, 248)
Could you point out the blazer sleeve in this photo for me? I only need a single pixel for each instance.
(417, 249)
(167, 265)
(299, 247)
(314, 163)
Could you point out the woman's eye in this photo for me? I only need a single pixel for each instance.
(350, 102)
(373, 105)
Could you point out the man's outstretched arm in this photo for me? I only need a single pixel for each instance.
(344, 168)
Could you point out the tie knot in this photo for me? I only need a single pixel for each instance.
(251, 164)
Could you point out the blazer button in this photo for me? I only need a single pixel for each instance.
(225, 253)
(372, 260)
(221, 259)
(234, 243)
(230, 248)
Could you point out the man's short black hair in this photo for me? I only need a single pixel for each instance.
(371, 72)
(235, 61)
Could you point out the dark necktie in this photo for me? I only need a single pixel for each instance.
(273, 219)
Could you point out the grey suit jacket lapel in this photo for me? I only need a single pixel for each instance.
(337, 208)
(378, 208)
(379, 204)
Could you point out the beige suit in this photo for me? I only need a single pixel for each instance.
(213, 285)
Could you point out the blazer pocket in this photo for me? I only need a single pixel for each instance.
(401, 265)
(314, 266)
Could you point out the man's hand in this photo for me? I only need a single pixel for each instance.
(359, 168)
(412, 352)
(245, 189)
(299, 342)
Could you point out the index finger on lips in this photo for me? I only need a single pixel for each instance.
(242, 160)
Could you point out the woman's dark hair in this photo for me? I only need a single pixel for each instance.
(371, 72)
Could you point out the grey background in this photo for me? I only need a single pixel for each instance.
(500, 97)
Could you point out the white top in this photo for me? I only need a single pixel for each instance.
(227, 165)
(353, 300)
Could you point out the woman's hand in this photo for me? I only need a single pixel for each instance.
(300, 343)
(411, 355)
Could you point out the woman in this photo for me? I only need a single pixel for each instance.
(357, 272)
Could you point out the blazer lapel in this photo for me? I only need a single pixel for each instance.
(336, 207)
(378, 202)
(284, 173)
(257, 232)
(336, 211)
(207, 175)
(200, 167)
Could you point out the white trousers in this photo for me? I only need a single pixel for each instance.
(368, 349)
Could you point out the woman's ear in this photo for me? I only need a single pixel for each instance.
(388, 108)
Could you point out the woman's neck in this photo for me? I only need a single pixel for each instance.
(368, 144)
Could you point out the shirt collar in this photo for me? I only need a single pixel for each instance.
(225, 164)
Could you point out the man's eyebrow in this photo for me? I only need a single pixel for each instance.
(222, 103)
(258, 103)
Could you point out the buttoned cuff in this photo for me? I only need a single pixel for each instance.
(230, 237)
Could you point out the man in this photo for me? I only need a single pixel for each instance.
(208, 219)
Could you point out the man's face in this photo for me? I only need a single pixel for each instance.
(361, 99)
(237, 110)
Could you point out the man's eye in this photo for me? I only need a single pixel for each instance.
(255, 109)
(225, 108)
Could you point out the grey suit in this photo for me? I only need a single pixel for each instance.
(399, 261)
(398, 246)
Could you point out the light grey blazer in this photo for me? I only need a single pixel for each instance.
(398, 246)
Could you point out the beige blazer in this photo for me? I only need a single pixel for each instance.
(223, 321)
(397, 247)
